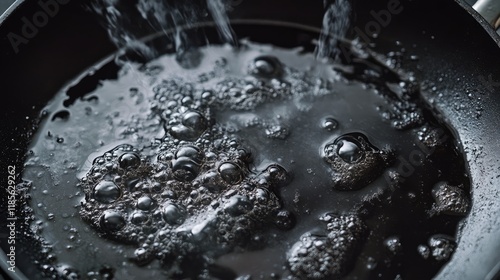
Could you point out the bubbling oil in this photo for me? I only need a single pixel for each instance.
(261, 162)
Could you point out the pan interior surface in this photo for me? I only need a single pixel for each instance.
(228, 158)
(468, 103)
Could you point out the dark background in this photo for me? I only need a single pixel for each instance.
(4, 4)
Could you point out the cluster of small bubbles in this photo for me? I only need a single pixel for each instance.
(441, 247)
(241, 94)
(433, 138)
(285, 220)
(273, 176)
(277, 131)
(407, 118)
(238, 205)
(182, 106)
(195, 198)
(355, 161)
(329, 254)
(450, 200)
(185, 168)
(197, 192)
(403, 113)
(393, 244)
(70, 273)
(105, 273)
(424, 251)
(191, 127)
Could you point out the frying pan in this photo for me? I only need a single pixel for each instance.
(457, 50)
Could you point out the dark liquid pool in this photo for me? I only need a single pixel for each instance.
(252, 163)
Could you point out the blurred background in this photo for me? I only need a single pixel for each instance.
(4, 4)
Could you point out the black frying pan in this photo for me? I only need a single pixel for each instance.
(449, 42)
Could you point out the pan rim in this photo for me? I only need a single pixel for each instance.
(493, 34)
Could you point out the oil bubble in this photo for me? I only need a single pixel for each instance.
(129, 160)
(230, 172)
(185, 169)
(146, 203)
(329, 124)
(450, 200)
(284, 220)
(174, 214)
(191, 152)
(355, 161)
(278, 131)
(238, 205)
(193, 125)
(112, 220)
(393, 244)
(142, 256)
(195, 120)
(106, 192)
(424, 251)
(138, 218)
(61, 115)
(348, 149)
(441, 247)
(265, 67)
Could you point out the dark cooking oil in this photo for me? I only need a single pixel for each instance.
(250, 163)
